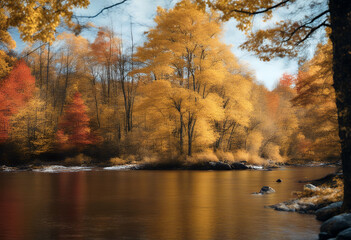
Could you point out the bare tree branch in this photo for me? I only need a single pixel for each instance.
(102, 10)
(305, 25)
(323, 24)
(263, 10)
(29, 53)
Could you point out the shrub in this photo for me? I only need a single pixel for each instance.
(79, 159)
(225, 156)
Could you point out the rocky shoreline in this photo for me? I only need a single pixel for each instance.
(178, 164)
(322, 200)
(206, 166)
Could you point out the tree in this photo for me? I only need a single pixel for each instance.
(36, 20)
(236, 92)
(184, 49)
(32, 128)
(316, 98)
(15, 90)
(287, 80)
(74, 130)
(106, 49)
(71, 62)
(287, 36)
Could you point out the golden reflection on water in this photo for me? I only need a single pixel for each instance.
(152, 205)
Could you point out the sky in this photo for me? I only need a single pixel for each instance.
(142, 12)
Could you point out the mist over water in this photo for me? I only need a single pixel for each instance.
(153, 205)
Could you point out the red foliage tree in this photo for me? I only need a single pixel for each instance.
(287, 80)
(15, 90)
(74, 130)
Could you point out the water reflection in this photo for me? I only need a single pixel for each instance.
(152, 205)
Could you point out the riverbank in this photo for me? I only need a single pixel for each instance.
(322, 197)
(316, 194)
(67, 167)
(85, 163)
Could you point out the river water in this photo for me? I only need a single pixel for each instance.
(153, 205)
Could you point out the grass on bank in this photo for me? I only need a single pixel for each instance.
(328, 192)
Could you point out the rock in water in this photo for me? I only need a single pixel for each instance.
(329, 211)
(344, 235)
(337, 224)
(266, 190)
(279, 180)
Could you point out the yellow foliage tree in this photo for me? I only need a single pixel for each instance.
(33, 127)
(36, 20)
(184, 49)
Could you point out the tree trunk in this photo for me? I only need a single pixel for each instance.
(47, 75)
(96, 102)
(189, 144)
(340, 13)
(66, 85)
(191, 127)
(181, 141)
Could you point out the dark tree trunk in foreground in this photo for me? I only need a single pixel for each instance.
(340, 12)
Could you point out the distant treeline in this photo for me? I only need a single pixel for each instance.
(182, 95)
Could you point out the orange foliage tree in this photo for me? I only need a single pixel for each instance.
(287, 80)
(15, 90)
(272, 103)
(73, 130)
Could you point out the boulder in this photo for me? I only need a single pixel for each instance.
(220, 166)
(209, 166)
(266, 190)
(344, 235)
(329, 211)
(336, 224)
(279, 180)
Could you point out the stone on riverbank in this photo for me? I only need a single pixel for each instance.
(329, 211)
(295, 206)
(209, 166)
(238, 166)
(205, 165)
(336, 224)
(310, 187)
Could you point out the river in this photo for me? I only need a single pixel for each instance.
(146, 205)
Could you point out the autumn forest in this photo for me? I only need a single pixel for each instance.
(181, 96)
(175, 119)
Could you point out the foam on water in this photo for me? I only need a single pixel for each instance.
(7, 169)
(59, 168)
(255, 167)
(121, 167)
